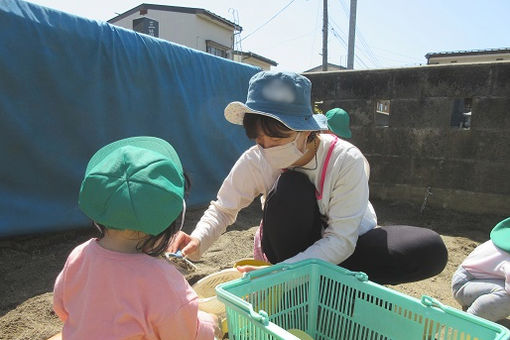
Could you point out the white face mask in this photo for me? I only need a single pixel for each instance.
(282, 156)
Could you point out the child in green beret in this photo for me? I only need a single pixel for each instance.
(116, 286)
(481, 284)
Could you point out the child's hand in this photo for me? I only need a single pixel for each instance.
(182, 241)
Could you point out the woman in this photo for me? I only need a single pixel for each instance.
(314, 193)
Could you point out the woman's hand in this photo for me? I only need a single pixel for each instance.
(248, 268)
(182, 241)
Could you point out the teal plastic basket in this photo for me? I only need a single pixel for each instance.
(330, 302)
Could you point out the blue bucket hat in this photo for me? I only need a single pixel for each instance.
(284, 96)
(500, 235)
(135, 183)
(339, 122)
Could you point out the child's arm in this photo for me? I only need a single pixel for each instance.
(58, 304)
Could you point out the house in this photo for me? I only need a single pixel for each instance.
(254, 59)
(331, 67)
(473, 56)
(197, 28)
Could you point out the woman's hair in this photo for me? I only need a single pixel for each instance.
(155, 245)
(270, 126)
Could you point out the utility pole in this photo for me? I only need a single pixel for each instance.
(325, 35)
(352, 33)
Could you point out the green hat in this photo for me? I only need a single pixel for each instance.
(500, 235)
(338, 122)
(135, 183)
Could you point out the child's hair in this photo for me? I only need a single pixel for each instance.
(155, 245)
(270, 126)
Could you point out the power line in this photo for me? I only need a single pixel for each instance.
(365, 48)
(267, 22)
(282, 42)
(344, 8)
(360, 61)
(338, 36)
(373, 60)
(338, 31)
(367, 52)
(395, 53)
(370, 52)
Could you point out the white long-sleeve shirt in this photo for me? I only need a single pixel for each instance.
(489, 262)
(344, 199)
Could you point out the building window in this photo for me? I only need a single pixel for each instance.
(461, 113)
(146, 26)
(382, 113)
(216, 49)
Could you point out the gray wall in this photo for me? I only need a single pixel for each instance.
(464, 169)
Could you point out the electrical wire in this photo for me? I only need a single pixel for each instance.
(368, 50)
(336, 31)
(364, 47)
(370, 58)
(356, 57)
(395, 53)
(267, 22)
(338, 36)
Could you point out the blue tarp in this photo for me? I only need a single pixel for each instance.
(70, 85)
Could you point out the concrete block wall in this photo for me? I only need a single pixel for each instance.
(419, 154)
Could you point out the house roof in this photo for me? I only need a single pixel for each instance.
(331, 67)
(471, 52)
(188, 10)
(256, 56)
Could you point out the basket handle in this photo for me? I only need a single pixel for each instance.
(265, 271)
(431, 302)
(261, 316)
(361, 276)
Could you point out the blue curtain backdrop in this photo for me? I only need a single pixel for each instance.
(70, 85)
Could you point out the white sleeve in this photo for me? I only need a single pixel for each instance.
(348, 203)
(242, 185)
(366, 167)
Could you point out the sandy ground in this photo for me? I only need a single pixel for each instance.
(30, 264)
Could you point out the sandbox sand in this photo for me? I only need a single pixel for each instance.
(30, 264)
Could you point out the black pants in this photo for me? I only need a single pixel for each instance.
(388, 255)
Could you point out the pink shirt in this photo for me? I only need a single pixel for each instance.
(102, 294)
(489, 262)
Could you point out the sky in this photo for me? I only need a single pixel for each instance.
(389, 33)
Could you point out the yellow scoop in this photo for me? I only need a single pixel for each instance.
(299, 334)
(251, 262)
